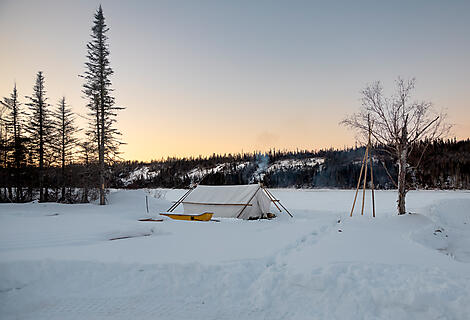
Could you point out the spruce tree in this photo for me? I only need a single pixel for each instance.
(16, 143)
(40, 130)
(97, 89)
(4, 146)
(66, 140)
(3, 136)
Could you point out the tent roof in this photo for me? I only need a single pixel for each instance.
(231, 195)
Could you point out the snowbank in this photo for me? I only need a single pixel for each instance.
(57, 262)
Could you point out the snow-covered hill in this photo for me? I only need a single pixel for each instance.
(57, 262)
(195, 174)
(140, 173)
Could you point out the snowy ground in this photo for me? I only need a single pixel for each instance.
(57, 262)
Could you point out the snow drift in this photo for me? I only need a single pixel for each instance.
(56, 261)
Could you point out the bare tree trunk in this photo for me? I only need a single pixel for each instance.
(101, 152)
(19, 189)
(19, 193)
(63, 114)
(62, 198)
(85, 195)
(10, 194)
(41, 190)
(402, 157)
(85, 176)
(99, 102)
(402, 164)
(102, 187)
(41, 156)
(30, 193)
(46, 194)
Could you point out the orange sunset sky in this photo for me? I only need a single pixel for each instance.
(203, 77)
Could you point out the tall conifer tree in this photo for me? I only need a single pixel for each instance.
(3, 136)
(97, 89)
(40, 130)
(14, 124)
(66, 139)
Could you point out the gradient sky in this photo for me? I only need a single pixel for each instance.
(199, 77)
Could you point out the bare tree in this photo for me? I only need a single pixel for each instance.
(398, 124)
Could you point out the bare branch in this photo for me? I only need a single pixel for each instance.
(398, 124)
(388, 173)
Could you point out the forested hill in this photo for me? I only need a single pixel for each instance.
(445, 164)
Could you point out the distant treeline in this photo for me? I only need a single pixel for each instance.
(445, 165)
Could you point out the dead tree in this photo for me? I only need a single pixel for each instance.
(398, 125)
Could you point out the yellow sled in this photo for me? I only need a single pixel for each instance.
(206, 216)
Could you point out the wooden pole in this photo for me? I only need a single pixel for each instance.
(372, 185)
(367, 159)
(371, 169)
(286, 209)
(358, 184)
(177, 203)
(216, 204)
(365, 180)
(147, 203)
(270, 198)
(273, 199)
(254, 194)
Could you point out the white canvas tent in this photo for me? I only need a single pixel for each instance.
(238, 201)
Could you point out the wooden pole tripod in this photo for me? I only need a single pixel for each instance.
(367, 158)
